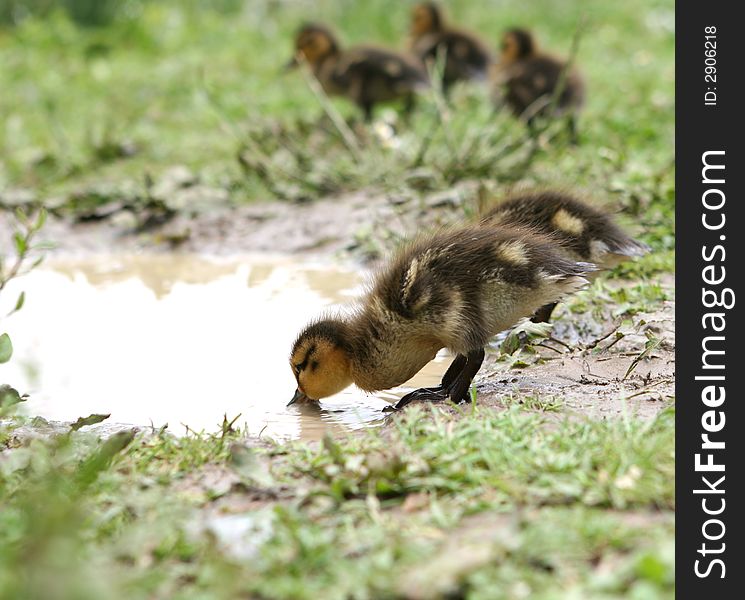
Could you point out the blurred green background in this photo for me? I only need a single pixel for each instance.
(104, 90)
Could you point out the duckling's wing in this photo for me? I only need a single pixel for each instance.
(464, 286)
(610, 253)
(379, 72)
(535, 77)
(585, 231)
(539, 76)
(466, 55)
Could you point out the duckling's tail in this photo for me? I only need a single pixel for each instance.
(630, 248)
(587, 267)
(576, 279)
(612, 252)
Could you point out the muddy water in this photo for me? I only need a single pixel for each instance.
(180, 340)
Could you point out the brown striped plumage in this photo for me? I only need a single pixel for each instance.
(526, 79)
(364, 74)
(453, 290)
(583, 232)
(466, 56)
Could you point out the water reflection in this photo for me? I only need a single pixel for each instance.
(180, 339)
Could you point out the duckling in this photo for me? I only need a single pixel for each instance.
(364, 74)
(526, 79)
(454, 289)
(583, 232)
(466, 56)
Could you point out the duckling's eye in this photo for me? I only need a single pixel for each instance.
(298, 368)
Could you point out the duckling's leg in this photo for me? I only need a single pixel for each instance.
(409, 105)
(454, 370)
(446, 89)
(455, 383)
(458, 389)
(543, 314)
(532, 127)
(435, 393)
(367, 110)
(572, 128)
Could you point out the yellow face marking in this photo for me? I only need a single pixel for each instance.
(563, 221)
(421, 20)
(509, 49)
(313, 46)
(513, 252)
(322, 372)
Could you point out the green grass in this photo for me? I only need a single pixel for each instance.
(481, 505)
(189, 83)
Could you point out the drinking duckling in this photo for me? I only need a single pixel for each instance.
(364, 74)
(466, 56)
(526, 79)
(453, 290)
(583, 232)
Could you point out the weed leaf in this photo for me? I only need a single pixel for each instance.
(89, 420)
(6, 348)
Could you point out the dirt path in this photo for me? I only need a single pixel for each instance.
(357, 225)
(606, 380)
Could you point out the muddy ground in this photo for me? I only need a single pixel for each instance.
(354, 226)
(580, 373)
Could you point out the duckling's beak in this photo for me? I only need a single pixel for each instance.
(298, 397)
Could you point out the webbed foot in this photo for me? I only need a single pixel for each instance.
(455, 383)
(433, 394)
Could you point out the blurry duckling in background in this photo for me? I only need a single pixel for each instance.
(583, 232)
(526, 80)
(364, 74)
(466, 56)
(453, 290)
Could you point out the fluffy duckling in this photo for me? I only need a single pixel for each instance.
(453, 290)
(466, 56)
(584, 233)
(526, 79)
(364, 74)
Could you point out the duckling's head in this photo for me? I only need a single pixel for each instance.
(517, 43)
(320, 360)
(425, 18)
(313, 42)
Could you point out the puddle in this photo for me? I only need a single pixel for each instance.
(180, 340)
